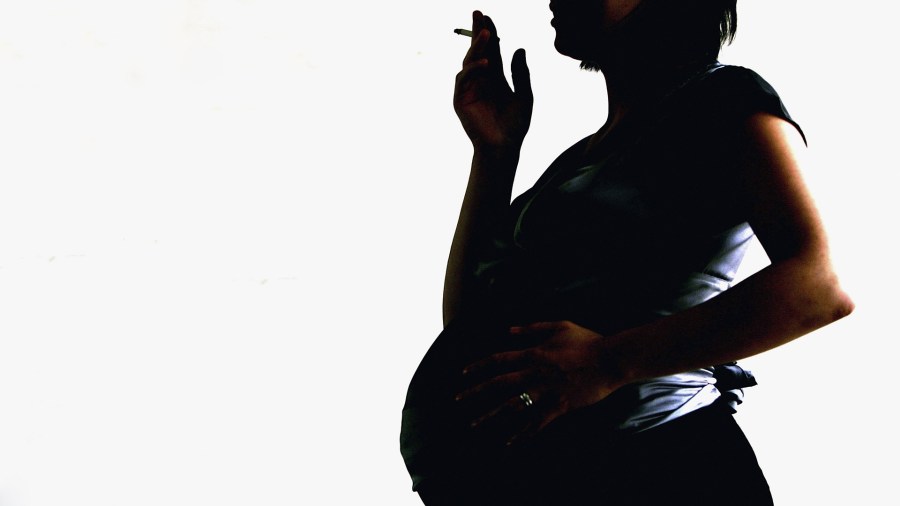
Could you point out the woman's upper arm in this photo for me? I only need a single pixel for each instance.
(771, 191)
(781, 211)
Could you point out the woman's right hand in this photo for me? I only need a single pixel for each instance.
(494, 116)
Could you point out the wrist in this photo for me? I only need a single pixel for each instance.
(615, 365)
(497, 154)
(495, 167)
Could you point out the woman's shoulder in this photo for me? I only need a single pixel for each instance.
(738, 81)
(734, 93)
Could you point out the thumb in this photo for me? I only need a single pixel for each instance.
(521, 76)
(534, 334)
(535, 328)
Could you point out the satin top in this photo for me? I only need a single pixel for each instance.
(643, 229)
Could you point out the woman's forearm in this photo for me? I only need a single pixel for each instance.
(774, 306)
(486, 200)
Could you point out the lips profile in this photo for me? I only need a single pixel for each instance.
(559, 16)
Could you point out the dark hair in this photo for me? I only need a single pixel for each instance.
(708, 24)
(692, 29)
(727, 14)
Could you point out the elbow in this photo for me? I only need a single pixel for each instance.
(832, 304)
(839, 301)
(817, 298)
(818, 308)
(842, 306)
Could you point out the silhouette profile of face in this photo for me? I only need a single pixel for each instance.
(581, 25)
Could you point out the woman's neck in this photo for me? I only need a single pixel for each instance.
(640, 84)
(636, 86)
(646, 57)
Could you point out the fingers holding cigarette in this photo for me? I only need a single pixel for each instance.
(485, 43)
(479, 22)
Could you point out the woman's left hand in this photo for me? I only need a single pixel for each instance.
(518, 393)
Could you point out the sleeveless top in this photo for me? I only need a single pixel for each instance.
(642, 231)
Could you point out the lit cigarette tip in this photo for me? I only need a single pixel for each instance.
(463, 31)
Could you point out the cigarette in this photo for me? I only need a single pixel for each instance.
(463, 31)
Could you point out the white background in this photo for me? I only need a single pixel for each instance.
(223, 227)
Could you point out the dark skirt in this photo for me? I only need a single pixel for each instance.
(698, 459)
